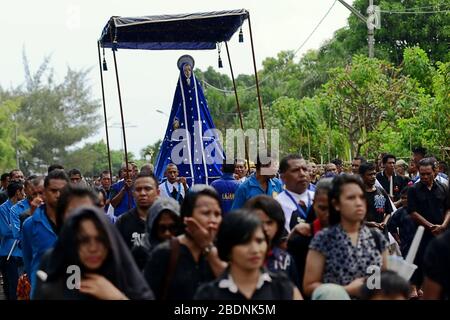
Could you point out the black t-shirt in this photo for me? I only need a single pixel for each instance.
(437, 262)
(132, 228)
(298, 246)
(271, 286)
(378, 205)
(187, 277)
(398, 184)
(430, 204)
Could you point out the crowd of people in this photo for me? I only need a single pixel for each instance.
(304, 231)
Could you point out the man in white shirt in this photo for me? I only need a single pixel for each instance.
(174, 187)
(296, 199)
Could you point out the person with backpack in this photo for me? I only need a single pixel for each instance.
(177, 267)
(342, 255)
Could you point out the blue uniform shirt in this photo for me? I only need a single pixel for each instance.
(251, 188)
(16, 211)
(123, 206)
(37, 237)
(6, 234)
(226, 188)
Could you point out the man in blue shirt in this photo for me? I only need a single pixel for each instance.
(226, 186)
(256, 184)
(34, 189)
(39, 232)
(10, 254)
(121, 192)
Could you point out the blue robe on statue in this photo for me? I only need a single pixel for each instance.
(190, 140)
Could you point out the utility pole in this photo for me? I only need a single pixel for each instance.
(372, 21)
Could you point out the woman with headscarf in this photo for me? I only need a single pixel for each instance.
(90, 261)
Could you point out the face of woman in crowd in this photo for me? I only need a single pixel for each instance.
(250, 256)
(92, 249)
(399, 169)
(352, 203)
(270, 226)
(321, 207)
(207, 213)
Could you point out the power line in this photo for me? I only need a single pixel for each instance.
(415, 12)
(295, 53)
(314, 30)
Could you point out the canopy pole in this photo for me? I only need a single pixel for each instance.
(237, 104)
(121, 114)
(256, 73)
(104, 109)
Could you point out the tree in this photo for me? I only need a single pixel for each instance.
(12, 140)
(151, 151)
(56, 115)
(92, 159)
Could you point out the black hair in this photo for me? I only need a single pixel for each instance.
(236, 228)
(363, 160)
(12, 171)
(272, 209)
(53, 167)
(187, 207)
(146, 175)
(104, 172)
(74, 172)
(227, 167)
(29, 180)
(391, 284)
(4, 176)
(56, 174)
(404, 191)
(337, 162)
(13, 187)
(171, 164)
(388, 156)
(69, 192)
(335, 193)
(324, 185)
(420, 150)
(425, 162)
(364, 167)
(284, 163)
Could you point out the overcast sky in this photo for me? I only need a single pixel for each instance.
(68, 31)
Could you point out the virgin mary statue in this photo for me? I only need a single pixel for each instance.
(191, 141)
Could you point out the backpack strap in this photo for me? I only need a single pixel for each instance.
(173, 259)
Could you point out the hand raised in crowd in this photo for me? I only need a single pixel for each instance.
(303, 228)
(101, 288)
(201, 236)
(36, 203)
(128, 183)
(182, 180)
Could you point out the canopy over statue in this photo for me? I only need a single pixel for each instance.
(190, 140)
(199, 149)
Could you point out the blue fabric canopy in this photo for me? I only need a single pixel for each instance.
(196, 31)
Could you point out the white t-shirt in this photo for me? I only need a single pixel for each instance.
(289, 206)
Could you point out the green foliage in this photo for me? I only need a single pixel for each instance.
(92, 159)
